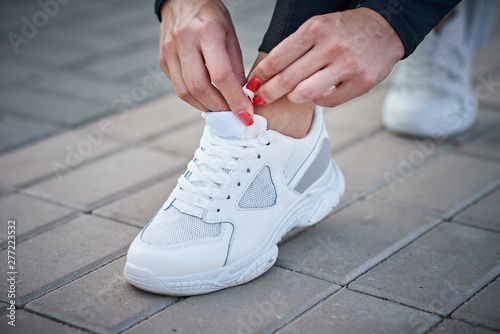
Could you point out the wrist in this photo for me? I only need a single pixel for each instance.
(379, 25)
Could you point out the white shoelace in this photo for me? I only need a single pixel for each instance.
(213, 166)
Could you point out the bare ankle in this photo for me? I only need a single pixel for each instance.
(290, 119)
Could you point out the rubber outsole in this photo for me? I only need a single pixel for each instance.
(312, 206)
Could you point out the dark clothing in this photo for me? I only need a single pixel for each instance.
(411, 19)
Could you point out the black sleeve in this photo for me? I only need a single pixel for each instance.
(158, 4)
(289, 15)
(412, 20)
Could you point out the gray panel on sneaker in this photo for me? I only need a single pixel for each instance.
(317, 168)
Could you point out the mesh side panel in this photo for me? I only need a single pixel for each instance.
(172, 227)
(261, 193)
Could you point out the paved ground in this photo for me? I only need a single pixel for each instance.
(92, 141)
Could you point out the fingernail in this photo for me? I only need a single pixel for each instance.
(253, 84)
(258, 101)
(245, 118)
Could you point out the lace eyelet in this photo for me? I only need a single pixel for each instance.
(239, 184)
(248, 170)
(268, 144)
(258, 156)
(218, 210)
(228, 197)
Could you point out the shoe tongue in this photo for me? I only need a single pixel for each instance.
(226, 125)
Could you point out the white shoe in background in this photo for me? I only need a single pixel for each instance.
(432, 94)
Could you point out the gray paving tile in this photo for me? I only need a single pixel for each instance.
(455, 326)
(485, 146)
(184, 140)
(49, 107)
(44, 50)
(362, 114)
(76, 85)
(54, 257)
(138, 208)
(438, 272)
(152, 118)
(4, 189)
(29, 323)
(443, 185)
(30, 214)
(485, 213)
(101, 301)
(483, 308)
(13, 71)
(379, 158)
(487, 118)
(487, 86)
(53, 155)
(123, 64)
(485, 60)
(340, 136)
(86, 186)
(244, 309)
(352, 312)
(15, 131)
(351, 242)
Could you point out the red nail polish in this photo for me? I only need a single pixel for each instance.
(258, 101)
(253, 84)
(245, 118)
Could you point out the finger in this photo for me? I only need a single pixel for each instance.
(288, 80)
(234, 51)
(343, 92)
(217, 59)
(175, 75)
(314, 86)
(198, 82)
(284, 54)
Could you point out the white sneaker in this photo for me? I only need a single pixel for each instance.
(242, 192)
(432, 93)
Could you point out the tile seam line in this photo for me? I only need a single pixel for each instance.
(152, 315)
(63, 127)
(430, 330)
(146, 314)
(472, 200)
(122, 146)
(57, 320)
(359, 139)
(446, 314)
(473, 290)
(80, 272)
(426, 229)
(61, 319)
(303, 309)
(478, 156)
(465, 302)
(134, 189)
(42, 229)
(476, 224)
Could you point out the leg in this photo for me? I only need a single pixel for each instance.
(292, 120)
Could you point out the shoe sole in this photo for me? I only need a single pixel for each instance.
(310, 208)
